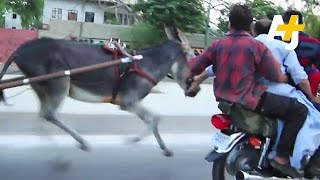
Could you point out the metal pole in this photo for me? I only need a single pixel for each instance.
(83, 17)
(70, 72)
(207, 25)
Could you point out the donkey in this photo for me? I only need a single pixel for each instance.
(46, 55)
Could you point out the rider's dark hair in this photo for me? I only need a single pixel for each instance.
(262, 26)
(240, 17)
(289, 13)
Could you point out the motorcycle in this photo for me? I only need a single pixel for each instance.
(242, 144)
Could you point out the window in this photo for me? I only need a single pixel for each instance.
(126, 19)
(14, 28)
(72, 15)
(56, 13)
(89, 17)
(14, 16)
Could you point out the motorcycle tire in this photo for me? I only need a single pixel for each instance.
(219, 171)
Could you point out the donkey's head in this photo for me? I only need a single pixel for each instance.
(180, 69)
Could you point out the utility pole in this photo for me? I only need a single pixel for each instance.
(82, 16)
(207, 25)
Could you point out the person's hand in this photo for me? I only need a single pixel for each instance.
(194, 87)
(285, 78)
(315, 99)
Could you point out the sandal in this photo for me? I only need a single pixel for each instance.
(286, 169)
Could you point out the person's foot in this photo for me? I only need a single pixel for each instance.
(281, 159)
(285, 168)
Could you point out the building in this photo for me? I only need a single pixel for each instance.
(12, 21)
(73, 10)
(90, 20)
(95, 11)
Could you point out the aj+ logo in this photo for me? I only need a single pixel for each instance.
(288, 31)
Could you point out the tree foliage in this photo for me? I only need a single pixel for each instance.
(310, 5)
(264, 9)
(146, 35)
(312, 25)
(188, 15)
(30, 11)
(260, 9)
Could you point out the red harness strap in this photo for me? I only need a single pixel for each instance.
(136, 69)
(115, 55)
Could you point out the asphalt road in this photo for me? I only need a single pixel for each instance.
(39, 158)
(185, 128)
(33, 149)
(30, 124)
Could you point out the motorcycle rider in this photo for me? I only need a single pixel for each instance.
(240, 61)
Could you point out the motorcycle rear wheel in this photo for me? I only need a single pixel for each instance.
(219, 171)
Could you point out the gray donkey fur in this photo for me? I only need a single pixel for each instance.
(45, 55)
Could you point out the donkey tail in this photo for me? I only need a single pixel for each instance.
(6, 66)
(3, 71)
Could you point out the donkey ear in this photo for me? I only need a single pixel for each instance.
(183, 38)
(168, 32)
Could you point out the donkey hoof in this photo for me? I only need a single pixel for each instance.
(84, 147)
(168, 153)
(62, 166)
(133, 140)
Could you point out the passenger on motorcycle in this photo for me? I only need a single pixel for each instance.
(239, 62)
(308, 51)
(307, 140)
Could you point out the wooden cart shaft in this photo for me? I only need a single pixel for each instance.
(20, 81)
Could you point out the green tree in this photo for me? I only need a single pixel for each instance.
(188, 15)
(145, 35)
(30, 11)
(312, 24)
(260, 9)
(311, 21)
(264, 9)
(310, 4)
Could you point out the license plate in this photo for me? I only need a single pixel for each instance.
(221, 140)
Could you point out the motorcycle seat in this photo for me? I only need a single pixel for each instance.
(249, 121)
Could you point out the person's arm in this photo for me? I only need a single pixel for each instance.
(293, 67)
(298, 75)
(317, 56)
(198, 79)
(200, 62)
(269, 67)
(306, 88)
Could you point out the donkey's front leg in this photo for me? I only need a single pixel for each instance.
(151, 121)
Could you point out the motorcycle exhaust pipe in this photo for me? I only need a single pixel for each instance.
(245, 176)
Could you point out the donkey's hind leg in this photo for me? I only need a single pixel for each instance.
(51, 94)
(151, 121)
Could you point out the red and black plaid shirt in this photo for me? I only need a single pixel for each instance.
(239, 61)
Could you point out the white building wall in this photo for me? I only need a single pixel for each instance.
(77, 5)
(10, 22)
